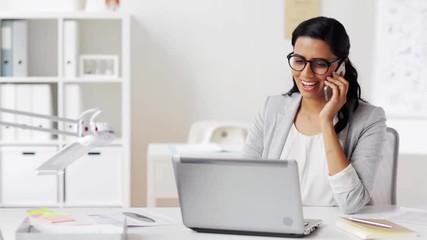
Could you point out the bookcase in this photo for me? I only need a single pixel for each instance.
(63, 64)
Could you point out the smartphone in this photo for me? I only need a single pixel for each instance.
(327, 90)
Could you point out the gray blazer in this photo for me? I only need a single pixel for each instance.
(361, 140)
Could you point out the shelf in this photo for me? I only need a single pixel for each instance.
(93, 80)
(29, 79)
(115, 142)
(30, 143)
(58, 79)
(63, 15)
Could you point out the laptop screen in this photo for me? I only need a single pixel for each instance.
(239, 195)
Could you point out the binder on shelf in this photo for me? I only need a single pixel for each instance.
(72, 106)
(23, 103)
(8, 101)
(20, 48)
(71, 48)
(41, 104)
(6, 47)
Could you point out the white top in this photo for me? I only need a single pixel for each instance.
(317, 187)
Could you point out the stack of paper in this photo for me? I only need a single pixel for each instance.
(44, 214)
(43, 224)
(369, 231)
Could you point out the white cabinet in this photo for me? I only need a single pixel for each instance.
(20, 186)
(103, 187)
(53, 85)
(161, 184)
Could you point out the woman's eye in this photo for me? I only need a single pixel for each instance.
(299, 61)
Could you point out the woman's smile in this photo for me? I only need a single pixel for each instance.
(309, 85)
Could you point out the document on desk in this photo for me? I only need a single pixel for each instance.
(134, 218)
(410, 215)
(81, 224)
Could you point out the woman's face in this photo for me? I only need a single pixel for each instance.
(310, 84)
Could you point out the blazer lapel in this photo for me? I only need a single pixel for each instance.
(284, 121)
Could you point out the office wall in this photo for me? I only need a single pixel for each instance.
(195, 60)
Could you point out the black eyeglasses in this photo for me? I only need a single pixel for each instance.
(318, 66)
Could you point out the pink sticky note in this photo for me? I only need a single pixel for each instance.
(57, 219)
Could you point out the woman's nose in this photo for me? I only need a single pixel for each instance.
(307, 70)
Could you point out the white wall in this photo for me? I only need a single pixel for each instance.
(195, 60)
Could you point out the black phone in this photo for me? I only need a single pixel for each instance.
(327, 91)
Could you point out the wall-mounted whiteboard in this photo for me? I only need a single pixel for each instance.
(400, 84)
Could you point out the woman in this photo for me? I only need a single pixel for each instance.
(336, 142)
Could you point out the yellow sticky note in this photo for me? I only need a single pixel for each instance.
(38, 211)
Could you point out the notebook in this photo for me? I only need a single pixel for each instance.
(368, 231)
(241, 196)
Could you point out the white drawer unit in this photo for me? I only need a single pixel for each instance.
(161, 185)
(20, 185)
(95, 179)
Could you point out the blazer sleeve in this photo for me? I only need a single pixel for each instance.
(352, 186)
(254, 143)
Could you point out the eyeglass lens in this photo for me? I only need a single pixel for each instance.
(318, 66)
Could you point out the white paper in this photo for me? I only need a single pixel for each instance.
(81, 224)
(134, 218)
(410, 215)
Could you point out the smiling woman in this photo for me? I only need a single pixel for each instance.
(337, 142)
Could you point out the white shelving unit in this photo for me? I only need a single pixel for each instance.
(102, 178)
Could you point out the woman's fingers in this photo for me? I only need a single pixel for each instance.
(341, 84)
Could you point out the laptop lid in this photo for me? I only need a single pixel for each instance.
(260, 197)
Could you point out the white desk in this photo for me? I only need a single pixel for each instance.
(11, 218)
(161, 186)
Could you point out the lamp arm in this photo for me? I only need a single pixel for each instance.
(54, 131)
(89, 135)
(38, 128)
(36, 115)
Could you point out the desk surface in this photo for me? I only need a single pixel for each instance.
(11, 218)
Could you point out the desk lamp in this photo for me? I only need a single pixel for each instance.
(89, 133)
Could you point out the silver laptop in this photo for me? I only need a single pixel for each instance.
(241, 196)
